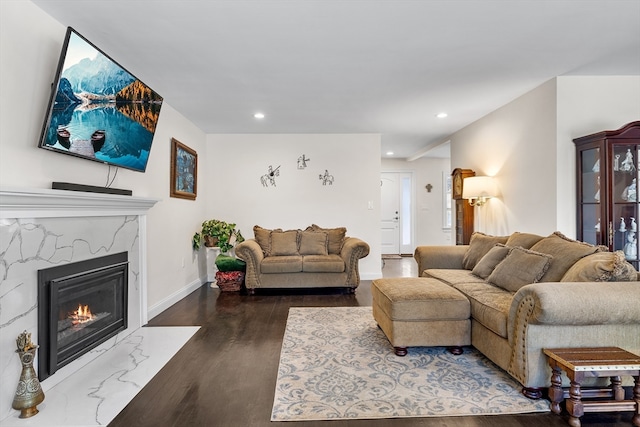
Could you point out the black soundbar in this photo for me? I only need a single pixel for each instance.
(89, 188)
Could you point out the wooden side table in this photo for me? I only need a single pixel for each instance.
(591, 362)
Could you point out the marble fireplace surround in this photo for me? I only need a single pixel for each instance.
(41, 228)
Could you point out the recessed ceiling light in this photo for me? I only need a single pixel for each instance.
(259, 115)
(441, 115)
(389, 153)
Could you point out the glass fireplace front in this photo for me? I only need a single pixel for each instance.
(80, 305)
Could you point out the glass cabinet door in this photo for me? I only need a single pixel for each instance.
(623, 234)
(608, 208)
(590, 197)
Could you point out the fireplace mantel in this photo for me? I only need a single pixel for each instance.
(45, 203)
(41, 228)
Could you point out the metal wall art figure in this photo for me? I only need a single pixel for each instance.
(269, 178)
(326, 179)
(302, 162)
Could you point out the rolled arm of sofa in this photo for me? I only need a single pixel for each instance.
(583, 303)
(352, 250)
(250, 252)
(565, 314)
(449, 257)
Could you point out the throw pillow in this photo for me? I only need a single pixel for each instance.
(336, 238)
(524, 240)
(565, 253)
(479, 245)
(520, 267)
(263, 237)
(284, 243)
(602, 267)
(314, 243)
(485, 266)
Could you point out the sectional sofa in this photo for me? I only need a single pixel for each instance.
(528, 292)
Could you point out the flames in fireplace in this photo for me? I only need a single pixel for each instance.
(78, 319)
(81, 315)
(74, 323)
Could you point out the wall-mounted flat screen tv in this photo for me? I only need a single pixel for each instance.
(98, 110)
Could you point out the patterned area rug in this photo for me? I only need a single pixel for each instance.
(337, 364)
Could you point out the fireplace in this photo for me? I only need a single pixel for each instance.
(80, 305)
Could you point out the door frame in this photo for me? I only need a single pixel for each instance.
(406, 249)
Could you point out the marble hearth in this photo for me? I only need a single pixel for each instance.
(42, 228)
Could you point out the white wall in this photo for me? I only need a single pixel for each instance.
(30, 45)
(235, 164)
(516, 144)
(428, 206)
(528, 145)
(587, 105)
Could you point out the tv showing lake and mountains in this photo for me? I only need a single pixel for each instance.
(98, 110)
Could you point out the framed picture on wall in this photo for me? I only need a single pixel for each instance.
(184, 171)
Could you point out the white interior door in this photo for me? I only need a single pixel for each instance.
(396, 207)
(390, 213)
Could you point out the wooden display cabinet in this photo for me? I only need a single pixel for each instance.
(464, 211)
(607, 198)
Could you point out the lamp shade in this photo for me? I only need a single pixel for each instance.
(475, 187)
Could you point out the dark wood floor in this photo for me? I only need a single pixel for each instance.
(226, 374)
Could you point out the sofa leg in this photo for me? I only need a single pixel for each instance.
(251, 291)
(457, 350)
(400, 351)
(532, 392)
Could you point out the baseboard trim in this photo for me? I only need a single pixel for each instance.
(370, 275)
(173, 298)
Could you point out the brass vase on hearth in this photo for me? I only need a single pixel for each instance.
(29, 394)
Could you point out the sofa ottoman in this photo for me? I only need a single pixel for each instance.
(421, 312)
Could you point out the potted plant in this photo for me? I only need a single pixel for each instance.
(217, 233)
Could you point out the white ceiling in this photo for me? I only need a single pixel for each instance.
(355, 66)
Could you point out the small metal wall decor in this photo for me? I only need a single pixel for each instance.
(302, 162)
(326, 178)
(269, 178)
(428, 187)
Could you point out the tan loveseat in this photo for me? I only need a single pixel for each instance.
(528, 293)
(312, 258)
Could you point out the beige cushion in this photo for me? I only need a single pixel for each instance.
(524, 240)
(565, 253)
(322, 264)
(489, 305)
(263, 237)
(419, 298)
(602, 267)
(336, 237)
(313, 243)
(521, 267)
(281, 264)
(284, 243)
(479, 245)
(452, 276)
(485, 266)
